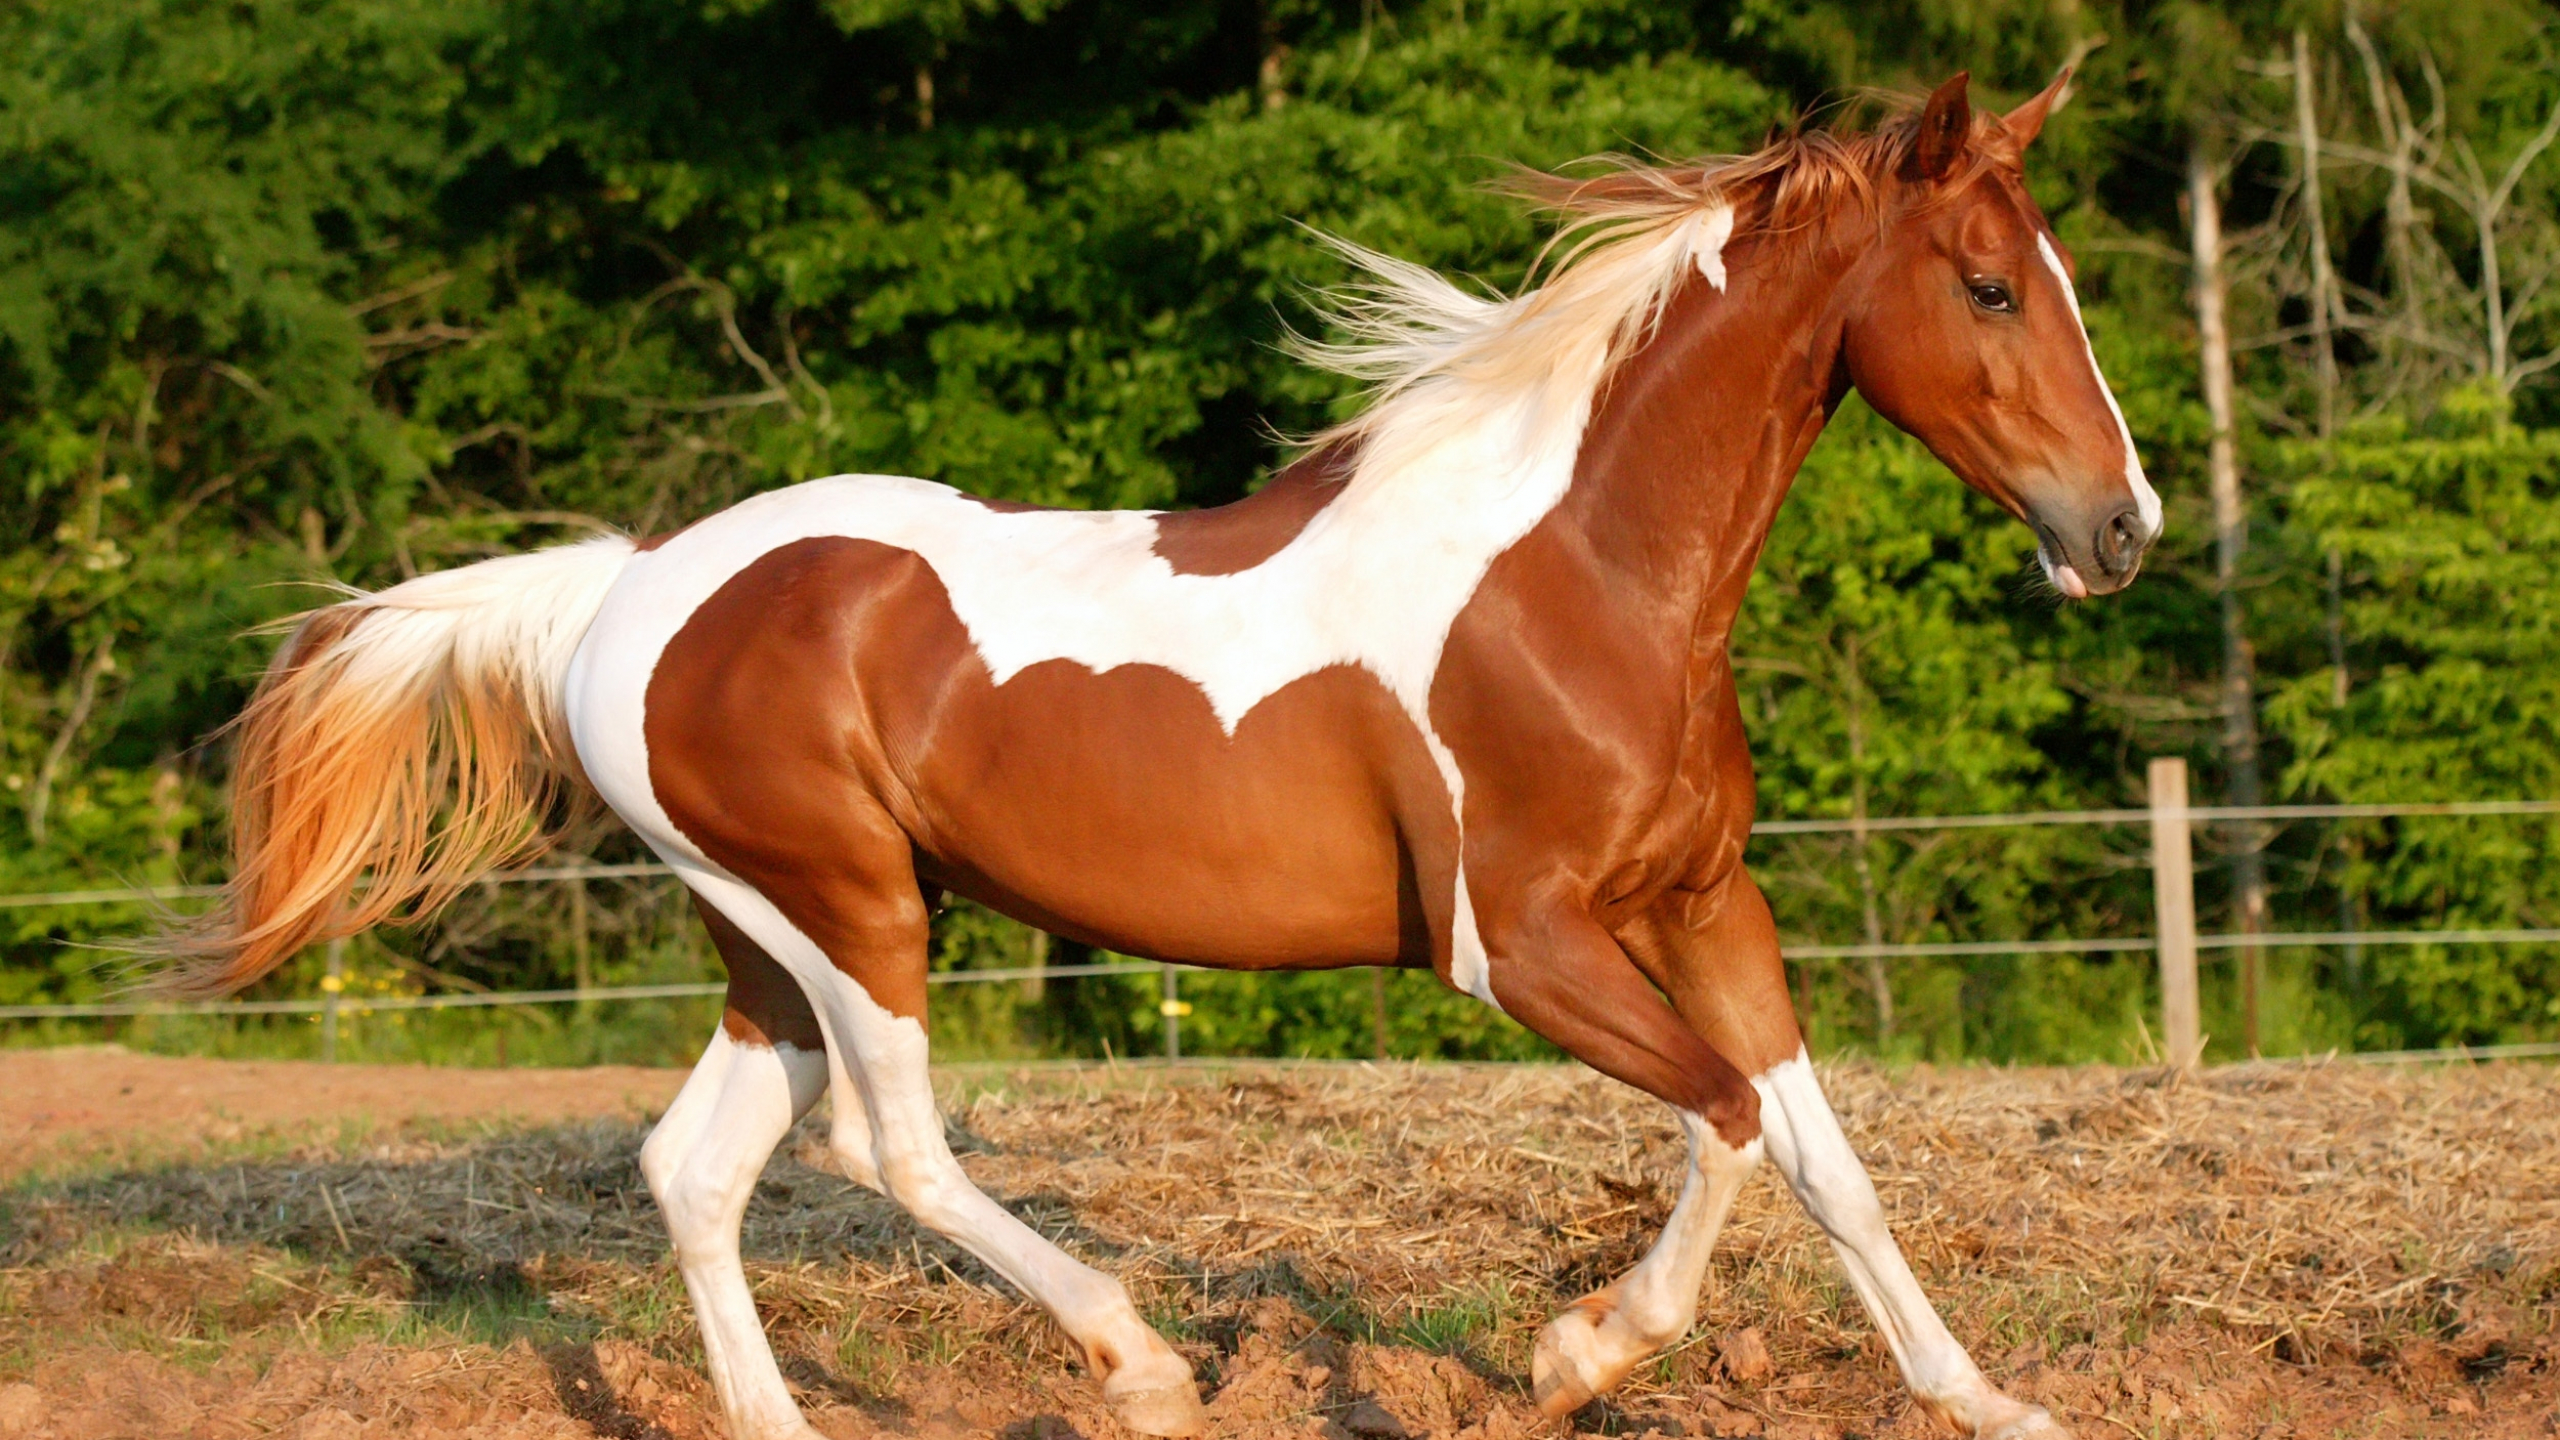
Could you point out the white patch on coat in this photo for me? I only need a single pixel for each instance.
(1375, 580)
(2146, 501)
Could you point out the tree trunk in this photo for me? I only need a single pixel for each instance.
(2392, 120)
(2324, 280)
(2230, 525)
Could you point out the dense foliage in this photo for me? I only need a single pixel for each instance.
(299, 291)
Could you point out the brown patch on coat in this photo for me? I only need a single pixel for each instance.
(1231, 538)
(824, 729)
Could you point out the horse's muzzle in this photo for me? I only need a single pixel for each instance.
(2104, 562)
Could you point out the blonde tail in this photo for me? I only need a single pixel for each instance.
(402, 745)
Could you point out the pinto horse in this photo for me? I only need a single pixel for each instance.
(1451, 691)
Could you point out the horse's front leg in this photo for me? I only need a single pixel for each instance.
(1561, 975)
(1716, 953)
(1601, 1338)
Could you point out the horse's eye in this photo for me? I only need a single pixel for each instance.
(1993, 296)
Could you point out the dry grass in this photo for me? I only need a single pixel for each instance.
(2324, 1249)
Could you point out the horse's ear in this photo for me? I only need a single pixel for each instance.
(2027, 121)
(1946, 127)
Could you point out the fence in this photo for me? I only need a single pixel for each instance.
(2169, 816)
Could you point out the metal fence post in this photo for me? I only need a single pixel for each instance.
(2173, 892)
(331, 983)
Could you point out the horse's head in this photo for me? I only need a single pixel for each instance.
(1964, 330)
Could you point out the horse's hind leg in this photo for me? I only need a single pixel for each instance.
(766, 1065)
(863, 970)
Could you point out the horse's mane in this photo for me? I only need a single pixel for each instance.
(1437, 355)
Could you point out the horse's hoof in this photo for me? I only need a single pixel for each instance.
(2031, 1422)
(1171, 1410)
(1557, 1392)
(1566, 1371)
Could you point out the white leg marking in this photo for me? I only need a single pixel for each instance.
(1593, 1345)
(702, 1161)
(1147, 1383)
(1808, 1147)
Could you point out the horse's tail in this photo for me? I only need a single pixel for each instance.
(402, 745)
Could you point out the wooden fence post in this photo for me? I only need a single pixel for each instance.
(2173, 891)
(331, 983)
(1174, 1010)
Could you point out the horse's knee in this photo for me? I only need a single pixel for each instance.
(1731, 1109)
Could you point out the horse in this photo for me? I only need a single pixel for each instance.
(1450, 691)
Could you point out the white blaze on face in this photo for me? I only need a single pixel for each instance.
(2145, 499)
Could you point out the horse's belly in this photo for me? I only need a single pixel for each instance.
(1113, 808)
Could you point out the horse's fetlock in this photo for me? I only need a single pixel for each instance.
(1654, 1330)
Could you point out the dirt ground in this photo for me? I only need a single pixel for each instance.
(202, 1248)
(85, 1104)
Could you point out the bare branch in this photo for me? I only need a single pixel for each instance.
(84, 698)
(411, 291)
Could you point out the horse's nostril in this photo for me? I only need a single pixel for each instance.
(2120, 543)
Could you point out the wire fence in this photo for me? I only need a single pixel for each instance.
(2165, 817)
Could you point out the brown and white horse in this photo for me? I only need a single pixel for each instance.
(1452, 691)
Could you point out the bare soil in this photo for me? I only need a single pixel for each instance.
(200, 1248)
(85, 1104)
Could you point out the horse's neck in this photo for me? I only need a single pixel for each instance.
(1694, 440)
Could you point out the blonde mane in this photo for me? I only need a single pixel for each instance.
(1435, 355)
